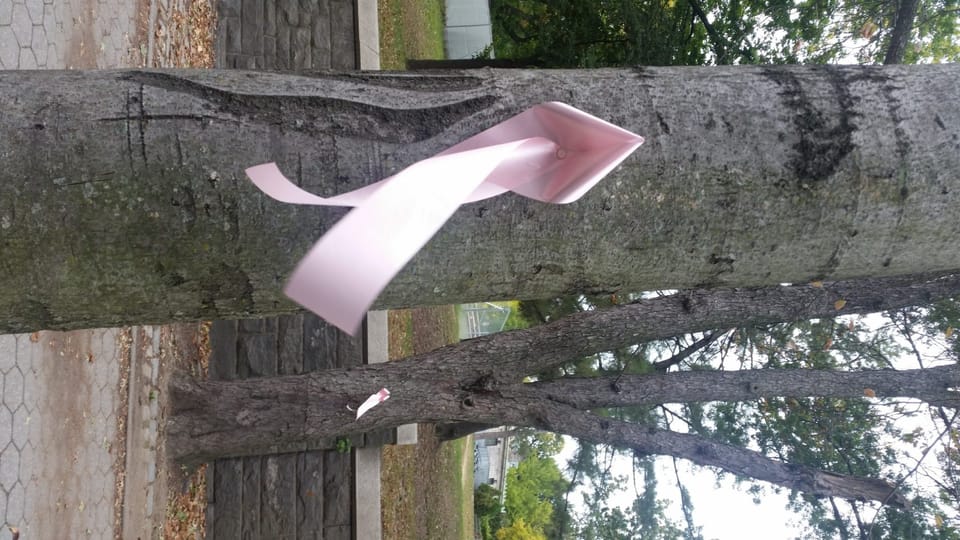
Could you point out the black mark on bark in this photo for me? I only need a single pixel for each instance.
(825, 135)
(663, 125)
(939, 121)
(711, 123)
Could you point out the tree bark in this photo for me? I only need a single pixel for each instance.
(936, 386)
(122, 196)
(223, 418)
(509, 356)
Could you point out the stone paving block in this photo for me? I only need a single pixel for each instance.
(9, 465)
(26, 60)
(14, 510)
(38, 43)
(35, 10)
(21, 24)
(337, 488)
(284, 48)
(251, 17)
(343, 36)
(290, 344)
(269, 18)
(251, 497)
(310, 494)
(21, 425)
(278, 498)
(233, 35)
(13, 388)
(6, 13)
(9, 347)
(269, 52)
(257, 355)
(290, 11)
(300, 46)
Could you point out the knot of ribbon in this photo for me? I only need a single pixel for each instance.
(551, 153)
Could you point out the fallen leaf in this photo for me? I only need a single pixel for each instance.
(838, 305)
(938, 520)
(816, 284)
(869, 392)
(35, 337)
(828, 344)
(948, 333)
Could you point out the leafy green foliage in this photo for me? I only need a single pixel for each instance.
(594, 33)
(487, 509)
(541, 444)
(534, 487)
(520, 530)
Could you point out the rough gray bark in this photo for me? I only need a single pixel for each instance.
(215, 418)
(122, 197)
(479, 382)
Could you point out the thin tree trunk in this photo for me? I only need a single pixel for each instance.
(314, 406)
(902, 28)
(220, 418)
(937, 386)
(122, 196)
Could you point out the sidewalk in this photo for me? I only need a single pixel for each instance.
(64, 396)
(74, 34)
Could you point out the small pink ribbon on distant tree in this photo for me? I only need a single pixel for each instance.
(551, 153)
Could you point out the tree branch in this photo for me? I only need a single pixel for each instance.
(663, 365)
(647, 439)
(933, 385)
(715, 37)
(683, 313)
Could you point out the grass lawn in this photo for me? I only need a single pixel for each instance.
(427, 489)
(410, 29)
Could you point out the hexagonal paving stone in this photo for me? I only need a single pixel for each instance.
(35, 9)
(13, 388)
(21, 427)
(8, 343)
(38, 42)
(53, 57)
(15, 504)
(27, 60)
(6, 426)
(21, 24)
(9, 467)
(6, 13)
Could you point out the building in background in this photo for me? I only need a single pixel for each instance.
(468, 31)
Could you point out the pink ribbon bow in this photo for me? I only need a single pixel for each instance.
(551, 153)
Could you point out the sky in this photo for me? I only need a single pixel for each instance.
(726, 511)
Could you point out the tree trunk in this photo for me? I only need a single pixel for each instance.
(219, 418)
(122, 196)
(902, 29)
(479, 382)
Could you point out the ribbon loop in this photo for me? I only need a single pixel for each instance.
(551, 153)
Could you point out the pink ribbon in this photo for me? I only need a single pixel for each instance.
(551, 153)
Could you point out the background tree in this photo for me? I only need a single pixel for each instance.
(594, 33)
